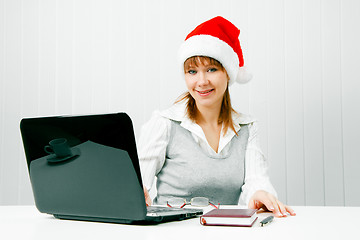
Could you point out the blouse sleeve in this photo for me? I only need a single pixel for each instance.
(154, 137)
(256, 166)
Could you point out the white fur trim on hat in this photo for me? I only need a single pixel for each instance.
(207, 45)
(243, 75)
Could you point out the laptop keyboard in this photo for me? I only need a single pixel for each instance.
(156, 209)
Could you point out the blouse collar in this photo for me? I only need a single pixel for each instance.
(177, 112)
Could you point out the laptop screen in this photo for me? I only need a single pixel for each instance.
(113, 130)
(84, 167)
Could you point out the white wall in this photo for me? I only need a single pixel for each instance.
(78, 57)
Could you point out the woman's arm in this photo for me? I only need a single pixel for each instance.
(152, 145)
(258, 191)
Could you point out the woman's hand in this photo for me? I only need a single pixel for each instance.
(147, 197)
(267, 201)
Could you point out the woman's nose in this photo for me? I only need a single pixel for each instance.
(203, 80)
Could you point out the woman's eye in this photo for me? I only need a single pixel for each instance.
(192, 71)
(212, 70)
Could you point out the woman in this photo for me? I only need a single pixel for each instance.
(201, 147)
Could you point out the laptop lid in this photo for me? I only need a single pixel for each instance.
(96, 177)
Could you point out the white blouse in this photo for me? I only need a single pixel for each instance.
(155, 135)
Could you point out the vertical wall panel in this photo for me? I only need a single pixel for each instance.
(202, 12)
(82, 84)
(100, 56)
(30, 57)
(350, 77)
(9, 172)
(30, 83)
(118, 61)
(153, 34)
(294, 108)
(259, 52)
(134, 75)
(222, 10)
(47, 57)
(276, 100)
(332, 109)
(64, 56)
(2, 90)
(313, 118)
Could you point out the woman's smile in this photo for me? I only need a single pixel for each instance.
(205, 93)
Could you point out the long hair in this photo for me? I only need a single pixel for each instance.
(225, 116)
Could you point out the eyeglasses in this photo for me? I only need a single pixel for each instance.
(196, 202)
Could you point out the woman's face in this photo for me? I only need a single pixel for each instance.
(206, 83)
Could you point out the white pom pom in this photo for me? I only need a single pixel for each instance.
(243, 75)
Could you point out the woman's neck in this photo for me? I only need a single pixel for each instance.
(208, 116)
(208, 120)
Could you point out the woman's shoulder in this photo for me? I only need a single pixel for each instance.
(243, 119)
(176, 112)
(159, 124)
(157, 127)
(247, 120)
(164, 117)
(156, 118)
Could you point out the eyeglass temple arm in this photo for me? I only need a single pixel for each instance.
(218, 206)
(172, 206)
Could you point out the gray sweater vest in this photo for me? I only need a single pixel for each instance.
(190, 172)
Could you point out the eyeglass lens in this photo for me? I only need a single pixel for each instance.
(196, 202)
(176, 202)
(199, 201)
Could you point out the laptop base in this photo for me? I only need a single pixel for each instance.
(153, 220)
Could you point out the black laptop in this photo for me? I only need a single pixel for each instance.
(87, 168)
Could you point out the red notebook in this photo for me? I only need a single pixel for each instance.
(229, 217)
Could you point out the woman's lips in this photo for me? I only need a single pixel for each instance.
(205, 93)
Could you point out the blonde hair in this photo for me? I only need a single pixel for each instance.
(225, 116)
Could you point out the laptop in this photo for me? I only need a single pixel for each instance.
(87, 168)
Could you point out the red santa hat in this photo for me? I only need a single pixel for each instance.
(219, 39)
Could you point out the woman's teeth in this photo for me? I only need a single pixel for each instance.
(203, 92)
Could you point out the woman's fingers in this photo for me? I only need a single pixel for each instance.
(290, 210)
(147, 197)
(255, 204)
(284, 210)
(262, 199)
(269, 204)
(275, 206)
(277, 209)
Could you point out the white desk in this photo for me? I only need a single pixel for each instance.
(25, 222)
